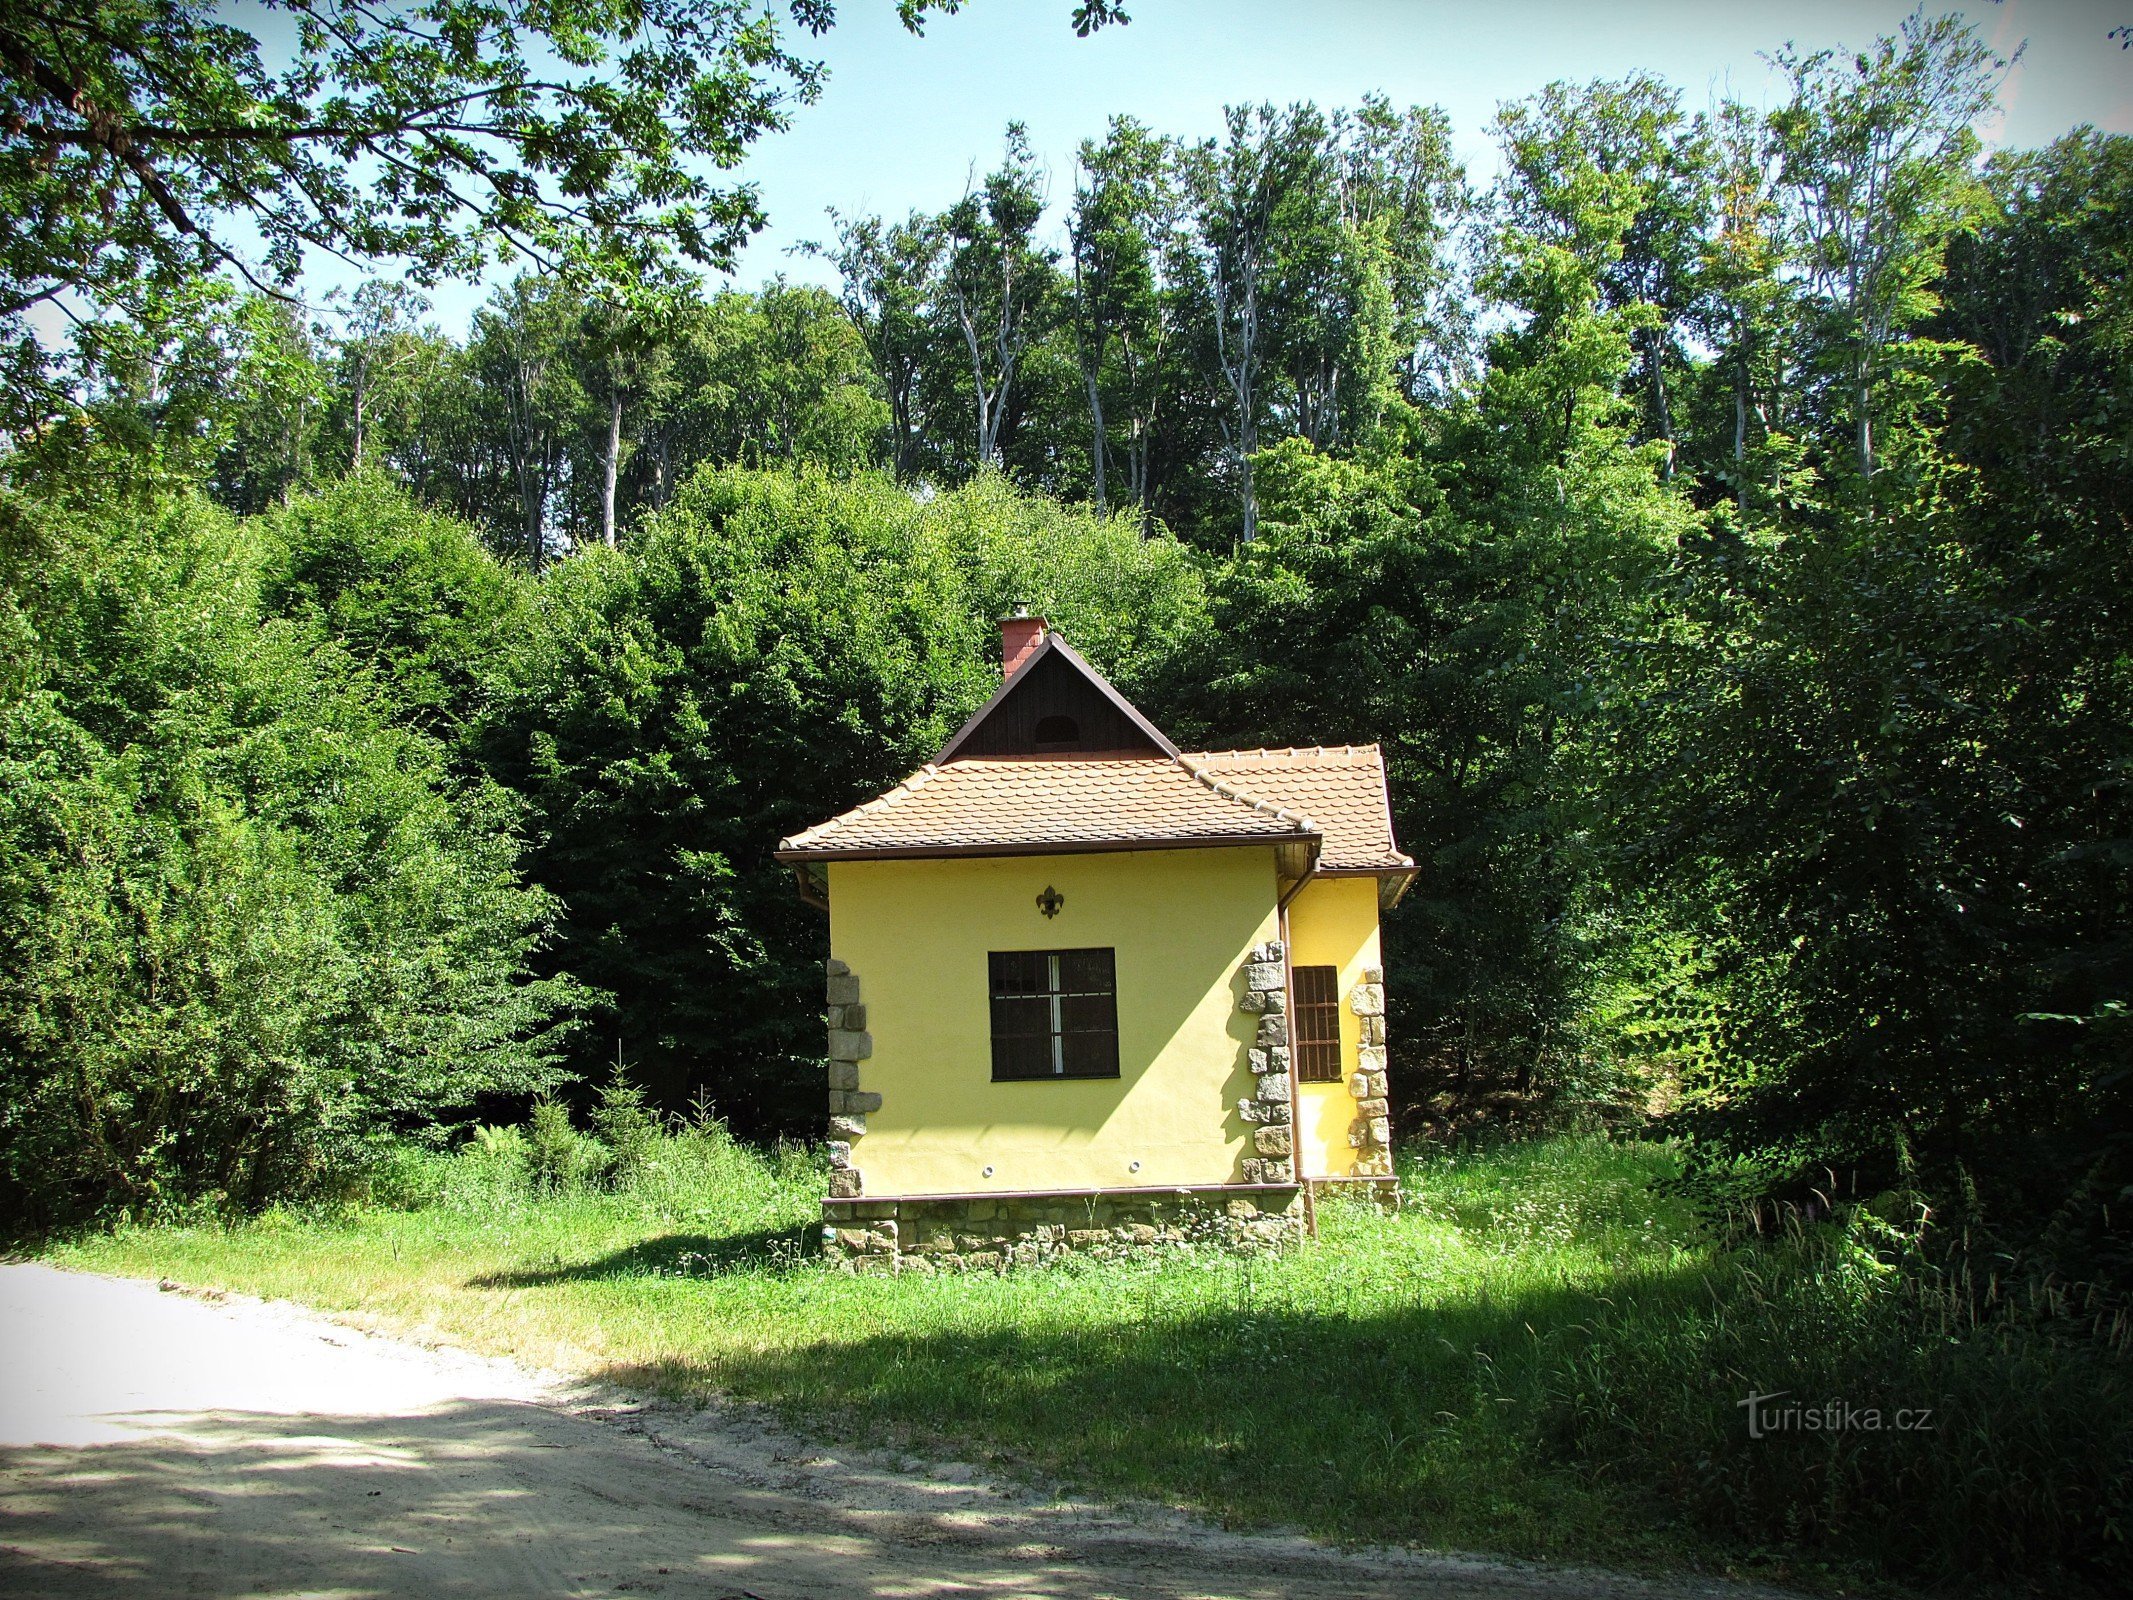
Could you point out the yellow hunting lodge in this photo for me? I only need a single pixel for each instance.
(1088, 991)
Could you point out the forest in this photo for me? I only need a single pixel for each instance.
(1719, 514)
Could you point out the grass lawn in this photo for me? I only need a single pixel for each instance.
(1538, 1356)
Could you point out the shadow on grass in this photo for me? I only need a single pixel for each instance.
(1429, 1425)
(672, 1255)
(1550, 1422)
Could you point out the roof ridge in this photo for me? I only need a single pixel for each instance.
(1265, 752)
(1066, 758)
(1242, 797)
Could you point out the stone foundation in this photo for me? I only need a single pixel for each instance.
(983, 1235)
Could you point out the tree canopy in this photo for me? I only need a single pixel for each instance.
(1719, 516)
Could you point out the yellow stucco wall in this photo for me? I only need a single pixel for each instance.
(1334, 922)
(916, 934)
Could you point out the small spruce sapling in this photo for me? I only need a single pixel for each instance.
(552, 1152)
(624, 1124)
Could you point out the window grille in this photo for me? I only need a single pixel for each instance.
(1054, 1014)
(1318, 1023)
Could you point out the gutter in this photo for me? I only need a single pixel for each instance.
(1281, 906)
(1048, 847)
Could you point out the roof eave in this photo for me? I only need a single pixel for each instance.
(1393, 882)
(1047, 847)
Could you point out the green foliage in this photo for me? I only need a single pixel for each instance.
(411, 595)
(626, 1127)
(995, 284)
(499, 1143)
(659, 699)
(1945, 1449)
(763, 379)
(687, 1173)
(1875, 154)
(1297, 277)
(166, 391)
(556, 1154)
(252, 928)
(1462, 601)
(279, 386)
(567, 131)
(1614, 175)
(886, 271)
(1887, 768)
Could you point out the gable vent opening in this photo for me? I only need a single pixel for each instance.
(1057, 733)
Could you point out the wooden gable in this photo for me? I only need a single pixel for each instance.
(1055, 705)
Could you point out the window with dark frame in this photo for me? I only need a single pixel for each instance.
(1054, 1014)
(1318, 1023)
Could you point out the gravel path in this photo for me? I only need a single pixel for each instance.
(162, 1444)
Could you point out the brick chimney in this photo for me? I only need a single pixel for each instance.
(1020, 634)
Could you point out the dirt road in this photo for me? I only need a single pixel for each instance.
(155, 1444)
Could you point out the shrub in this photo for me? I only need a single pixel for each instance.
(555, 1153)
(626, 1127)
(499, 1143)
(250, 930)
(410, 594)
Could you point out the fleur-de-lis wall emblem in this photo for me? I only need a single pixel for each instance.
(1050, 901)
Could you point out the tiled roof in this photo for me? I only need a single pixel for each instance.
(1022, 804)
(1340, 787)
(1027, 805)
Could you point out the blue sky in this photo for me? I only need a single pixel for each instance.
(902, 119)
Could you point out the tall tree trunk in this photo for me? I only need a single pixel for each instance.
(361, 396)
(1140, 428)
(1098, 447)
(1241, 371)
(1861, 390)
(1137, 472)
(900, 415)
(1662, 411)
(614, 465)
(292, 442)
(533, 502)
(529, 460)
(987, 429)
(1740, 427)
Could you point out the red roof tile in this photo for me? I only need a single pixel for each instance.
(1340, 787)
(1068, 803)
(1024, 804)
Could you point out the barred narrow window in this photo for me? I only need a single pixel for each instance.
(1054, 1014)
(1318, 1024)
